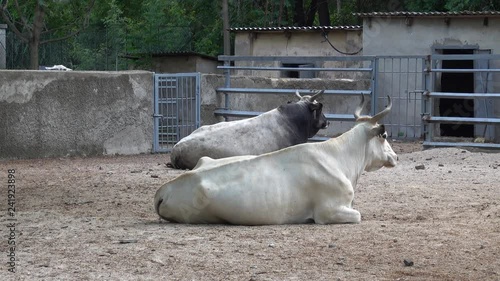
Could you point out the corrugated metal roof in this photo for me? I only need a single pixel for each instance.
(167, 54)
(430, 14)
(296, 28)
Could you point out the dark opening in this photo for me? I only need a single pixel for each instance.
(457, 83)
(298, 73)
(289, 73)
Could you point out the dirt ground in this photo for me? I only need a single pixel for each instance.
(93, 219)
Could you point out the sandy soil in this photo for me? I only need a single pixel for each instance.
(93, 219)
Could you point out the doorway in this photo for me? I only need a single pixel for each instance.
(457, 83)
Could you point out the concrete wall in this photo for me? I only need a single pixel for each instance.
(51, 114)
(180, 64)
(393, 36)
(210, 100)
(300, 43)
(54, 114)
(3, 46)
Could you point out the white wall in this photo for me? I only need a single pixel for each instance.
(393, 37)
(300, 43)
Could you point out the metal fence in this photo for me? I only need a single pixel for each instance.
(99, 47)
(176, 108)
(467, 107)
(400, 77)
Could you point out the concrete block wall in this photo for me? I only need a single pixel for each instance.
(52, 114)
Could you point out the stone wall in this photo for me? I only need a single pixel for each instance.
(51, 114)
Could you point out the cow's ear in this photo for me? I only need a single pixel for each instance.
(315, 106)
(377, 130)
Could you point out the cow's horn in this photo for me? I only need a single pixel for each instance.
(360, 107)
(382, 113)
(297, 94)
(317, 95)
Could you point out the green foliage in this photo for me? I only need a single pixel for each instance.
(140, 27)
(425, 5)
(472, 5)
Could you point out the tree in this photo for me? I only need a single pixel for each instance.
(31, 20)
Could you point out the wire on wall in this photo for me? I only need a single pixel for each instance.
(344, 53)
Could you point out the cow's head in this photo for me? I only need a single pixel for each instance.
(379, 152)
(319, 119)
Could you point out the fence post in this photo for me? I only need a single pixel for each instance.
(3, 46)
(227, 84)
(374, 83)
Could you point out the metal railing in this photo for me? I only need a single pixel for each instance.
(396, 76)
(176, 108)
(484, 82)
(402, 78)
(228, 68)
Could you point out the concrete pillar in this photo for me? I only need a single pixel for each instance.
(3, 46)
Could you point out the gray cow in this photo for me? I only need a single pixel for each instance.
(287, 125)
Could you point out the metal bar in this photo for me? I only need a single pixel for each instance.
(466, 57)
(308, 58)
(318, 139)
(460, 144)
(198, 100)
(373, 98)
(156, 121)
(460, 120)
(241, 113)
(290, 91)
(457, 70)
(236, 113)
(295, 59)
(462, 95)
(269, 68)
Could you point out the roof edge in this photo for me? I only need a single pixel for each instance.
(295, 28)
(429, 14)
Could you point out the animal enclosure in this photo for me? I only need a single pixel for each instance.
(93, 218)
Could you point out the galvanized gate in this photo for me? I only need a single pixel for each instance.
(401, 78)
(176, 108)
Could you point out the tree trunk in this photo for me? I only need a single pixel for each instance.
(280, 15)
(324, 13)
(299, 16)
(311, 13)
(225, 25)
(34, 42)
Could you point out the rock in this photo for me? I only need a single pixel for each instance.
(479, 140)
(154, 176)
(440, 165)
(420, 167)
(428, 159)
(332, 246)
(408, 262)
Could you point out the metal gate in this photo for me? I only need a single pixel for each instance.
(176, 108)
(484, 118)
(402, 78)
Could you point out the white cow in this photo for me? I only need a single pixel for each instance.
(312, 182)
